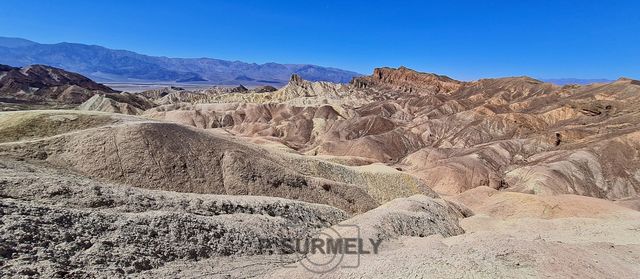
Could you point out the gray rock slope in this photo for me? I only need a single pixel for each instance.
(57, 224)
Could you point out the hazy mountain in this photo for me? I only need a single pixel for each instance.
(15, 42)
(565, 81)
(103, 64)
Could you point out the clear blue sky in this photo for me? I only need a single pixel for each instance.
(463, 39)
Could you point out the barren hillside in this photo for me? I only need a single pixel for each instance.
(496, 178)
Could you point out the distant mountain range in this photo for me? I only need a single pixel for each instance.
(108, 65)
(565, 81)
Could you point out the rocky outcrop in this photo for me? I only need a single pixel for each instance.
(415, 216)
(41, 76)
(78, 227)
(264, 89)
(125, 103)
(407, 80)
(44, 84)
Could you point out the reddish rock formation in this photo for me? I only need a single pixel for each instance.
(407, 80)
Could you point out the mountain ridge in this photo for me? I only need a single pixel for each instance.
(581, 81)
(105, 64)
(41, 84)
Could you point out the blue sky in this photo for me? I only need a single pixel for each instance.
(463, 39)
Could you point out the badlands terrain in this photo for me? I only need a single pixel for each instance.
(495, 178)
